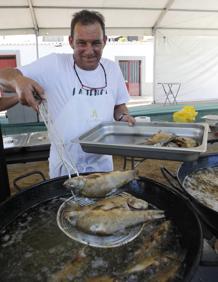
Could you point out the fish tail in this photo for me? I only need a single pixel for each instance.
(154, 214)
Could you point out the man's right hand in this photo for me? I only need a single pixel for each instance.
(26, 88)
(12, 80)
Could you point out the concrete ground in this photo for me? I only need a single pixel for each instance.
(139, 101)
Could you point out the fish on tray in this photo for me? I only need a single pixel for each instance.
(164, 139)
(185, 142)
(101, 222)
(159, 137)
(98, 185)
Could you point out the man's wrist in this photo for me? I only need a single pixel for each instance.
(121, 116)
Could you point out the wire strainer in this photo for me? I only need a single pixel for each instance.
(56, 138)
(110, 241)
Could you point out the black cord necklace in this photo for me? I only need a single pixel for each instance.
(88, 87)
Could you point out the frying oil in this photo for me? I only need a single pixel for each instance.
(33, 248)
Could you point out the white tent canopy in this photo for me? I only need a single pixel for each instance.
(185, 32)
(126, 17)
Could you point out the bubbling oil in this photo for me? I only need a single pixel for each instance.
(202, 184)
(33, 248)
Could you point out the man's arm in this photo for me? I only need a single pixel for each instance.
(121, 114)
(8, 102)
(8, 78)
(12, 80)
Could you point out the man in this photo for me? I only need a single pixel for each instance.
(7, 102)
(82, 90)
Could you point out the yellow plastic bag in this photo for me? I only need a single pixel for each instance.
(186, 114)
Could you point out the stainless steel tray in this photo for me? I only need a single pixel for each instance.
(36, 140)
(15, 141)
(117, 138)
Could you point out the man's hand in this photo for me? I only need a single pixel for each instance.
(121, 114)
(127, 118)
(12, 80)
(26, 88)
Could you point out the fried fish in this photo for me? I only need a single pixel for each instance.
(164, 139)
(122, 201)
(72, 269)
(158, 137)
(100, 184)
(102, 222)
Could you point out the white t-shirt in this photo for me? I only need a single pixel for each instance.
(74, 110)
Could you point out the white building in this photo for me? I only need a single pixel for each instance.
(135, 59)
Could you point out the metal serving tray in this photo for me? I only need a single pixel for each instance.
(36, 140)
(118, 138)
(15, 141)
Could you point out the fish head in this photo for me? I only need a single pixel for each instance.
(75, 183)
(137, 204)
(71, 216)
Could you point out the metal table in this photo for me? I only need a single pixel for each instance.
(24, 155)
(171, 90)
(12, 155)
(22, 148)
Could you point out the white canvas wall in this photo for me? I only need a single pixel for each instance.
(26, 53)
(190, 60)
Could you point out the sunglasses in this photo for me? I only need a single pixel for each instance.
(85, 87)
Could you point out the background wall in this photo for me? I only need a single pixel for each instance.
(24, 47)
(26, 53)
(190, 60)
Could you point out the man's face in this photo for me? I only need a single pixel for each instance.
(88, 43)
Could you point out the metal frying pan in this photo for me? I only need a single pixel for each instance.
(208, 215)
(175, 206)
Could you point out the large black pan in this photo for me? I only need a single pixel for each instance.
(175, 206)
(208, 215)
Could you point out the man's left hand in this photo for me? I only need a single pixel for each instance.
(127, 118)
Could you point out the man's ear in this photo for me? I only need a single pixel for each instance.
(105, 39)
(70, 39)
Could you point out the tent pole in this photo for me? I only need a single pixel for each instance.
(35, 24)
(37, 44)
(37, 56)
(154, 32)
(154, 67)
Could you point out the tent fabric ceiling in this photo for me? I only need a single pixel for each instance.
(123, 17)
